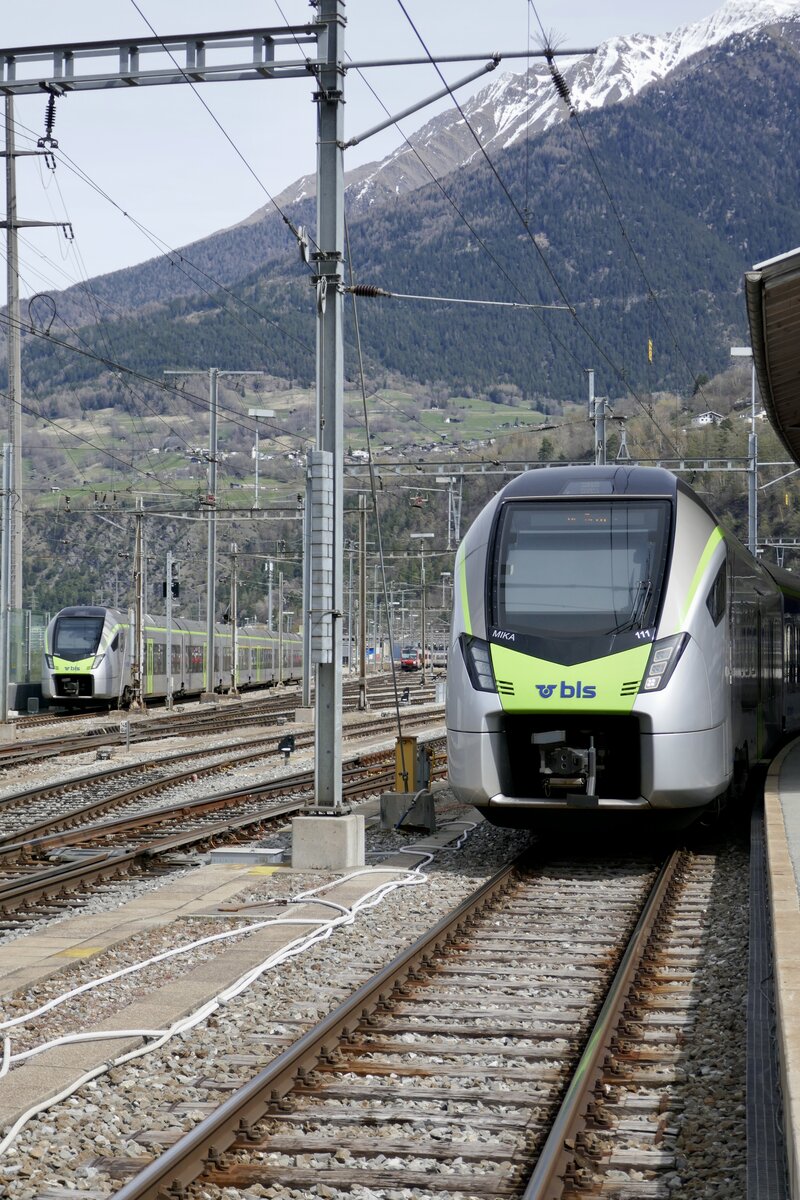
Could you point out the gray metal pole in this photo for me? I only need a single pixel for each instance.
(255, 502)
(306, 625)
(422, 601)
(211, 566)
(14, 365)
(234, 618)
(362, 601)
(5, 582)
(330, 383)
(350, 608)
(169, 629)
(752, 450)
(137, 665)
(280, 626)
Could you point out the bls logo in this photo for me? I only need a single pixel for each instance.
(568, 691)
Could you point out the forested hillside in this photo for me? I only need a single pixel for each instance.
(701, 171)
(642, 218)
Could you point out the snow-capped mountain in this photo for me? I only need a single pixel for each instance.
(514, 106)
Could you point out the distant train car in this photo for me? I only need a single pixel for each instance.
(88, 653)
(438, 658)
(410, 659)
(613, 649)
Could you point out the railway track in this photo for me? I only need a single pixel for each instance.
(443, 1073)
(111, 849)
(119, 727)
(30, 816)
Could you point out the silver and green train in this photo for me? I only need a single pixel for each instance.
(613, 649)
(88, 654)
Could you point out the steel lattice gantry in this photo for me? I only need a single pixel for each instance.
(772, 290)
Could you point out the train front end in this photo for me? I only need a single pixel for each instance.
(83, 652)
(587, 666)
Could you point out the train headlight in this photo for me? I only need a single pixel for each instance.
(48, 658)
(477, 657)
(99, 658)
(663, 660)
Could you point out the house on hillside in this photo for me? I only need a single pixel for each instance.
(708, 418)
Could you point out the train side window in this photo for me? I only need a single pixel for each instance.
(114, 643)
(717, 596)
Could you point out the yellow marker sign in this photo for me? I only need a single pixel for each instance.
(81, 952)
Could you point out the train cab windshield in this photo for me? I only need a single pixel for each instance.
(76, 637)
(580, 568)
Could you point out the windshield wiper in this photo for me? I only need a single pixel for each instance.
(640, 602)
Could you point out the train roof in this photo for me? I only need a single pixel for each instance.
(589, 480)
(86, 610)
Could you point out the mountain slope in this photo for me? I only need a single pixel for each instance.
(513, 109)
(702, 170)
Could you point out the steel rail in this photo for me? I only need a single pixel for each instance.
(146, 730)
(9, 847)
(55, 880)
(546, 1181)
(181, 1164)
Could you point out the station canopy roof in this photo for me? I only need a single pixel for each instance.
(772, 290)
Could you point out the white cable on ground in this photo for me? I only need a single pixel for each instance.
(155, 1038)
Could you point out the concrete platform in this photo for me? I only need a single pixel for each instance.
(782, 834)
(200, 892)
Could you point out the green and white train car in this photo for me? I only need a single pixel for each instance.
(613, 649)
(88, 656)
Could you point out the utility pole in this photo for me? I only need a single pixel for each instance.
(362, 602)
(257, 413)
(5, 582)
(137, 650)
(422, 596)
(280, 626)
(306, 615)
(211, 506)
(168, 596)
(234, 617)
(752, 455)
(211, 564)
(12, 224)
(327, 459)
(598, 412)
(270, 567)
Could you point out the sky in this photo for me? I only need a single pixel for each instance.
(158, 155)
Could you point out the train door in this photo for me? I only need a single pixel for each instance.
(148, 687)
